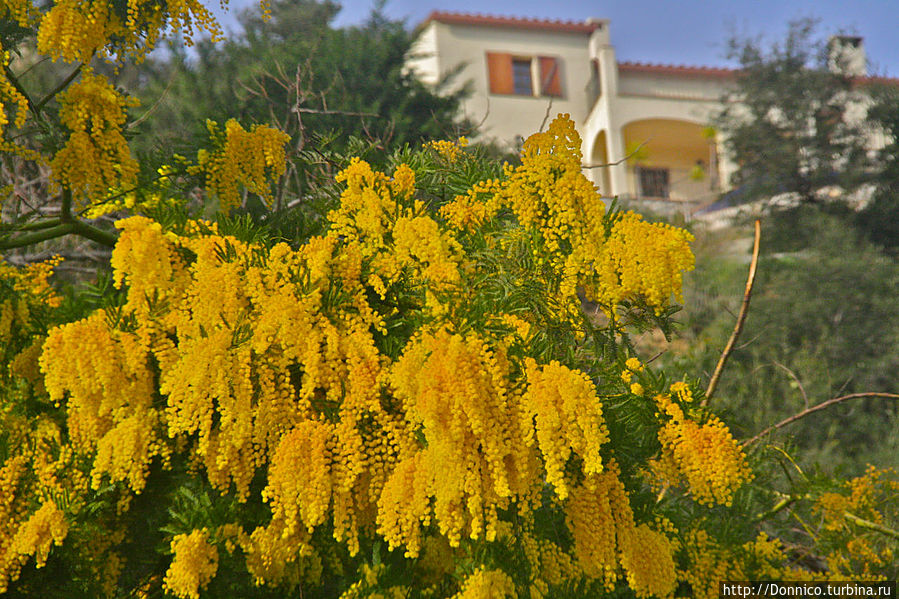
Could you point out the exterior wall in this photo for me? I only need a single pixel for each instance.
(423, 59)
(504, 117)
(602, 97)
(669, 86)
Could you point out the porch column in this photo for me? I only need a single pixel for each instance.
(617, 172)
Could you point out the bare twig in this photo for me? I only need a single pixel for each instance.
(798, 382)
(340, 112)
(62, 85)
(549, 106)
(155, 105)
(784, 503)
(744, 309)
(617, 162)
(821, 406)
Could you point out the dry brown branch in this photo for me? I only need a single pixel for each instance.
(821, 406)
(744, 310)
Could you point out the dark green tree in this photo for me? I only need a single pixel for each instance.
(295, 70)
(794, 119)
(880, 219)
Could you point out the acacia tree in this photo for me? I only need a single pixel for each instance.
(412, 403)
(794, 120)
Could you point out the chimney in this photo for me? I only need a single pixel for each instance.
(846, 55)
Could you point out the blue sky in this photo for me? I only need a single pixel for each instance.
(676, 32)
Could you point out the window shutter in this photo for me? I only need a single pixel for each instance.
(499, 71)
(550, 81)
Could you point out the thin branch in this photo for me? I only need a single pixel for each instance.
(33, 226)
(341, 112)
(798, 382)
(155, 105)
(744, 310)
(871, 525)
(784, 503)
(15, 82)
(549, 107)
(617, 162)
(62, 85)
(821, 406)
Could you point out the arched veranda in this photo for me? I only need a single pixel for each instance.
(670, 160)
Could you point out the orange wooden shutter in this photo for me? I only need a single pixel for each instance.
(499, 70)
(550, 82)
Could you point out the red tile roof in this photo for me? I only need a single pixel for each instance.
(456, 18)
(723, 72)
(672, 69)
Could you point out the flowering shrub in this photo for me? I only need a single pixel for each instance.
(413, 403)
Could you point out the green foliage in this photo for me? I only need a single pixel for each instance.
(791, 124)
(822, 318)
(321, 84)
(880, 219)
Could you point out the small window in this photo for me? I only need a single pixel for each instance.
(521, 77)
(515, 75)
(653, 182)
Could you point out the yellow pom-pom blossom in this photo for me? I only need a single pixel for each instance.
(77, 30)
(108, 386)
(549, 195)
(299, 486)
(96, 157)
(487, 584)
(705, 455)
(9, 94)
(273, 369)
(194, 565)
(393, 231)
(601, 521)
(248, 159)
(855, 550)
(47, 526)
(12, 512)
(648, 559)
(455, 389)
(550, 566)
(642, 260)
(21, 11)
(706, 564)
(564, 416)
(446, 149)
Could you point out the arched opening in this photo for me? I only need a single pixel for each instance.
(598, 156)
(671, 160)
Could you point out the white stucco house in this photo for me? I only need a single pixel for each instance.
(647, 122)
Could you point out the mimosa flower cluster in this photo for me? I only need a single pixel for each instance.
(76, 31)
(243, 159)
(850, 517)
(96, 157)
(10, 96)
(705, 456)
(343, 393)
(94, 163)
